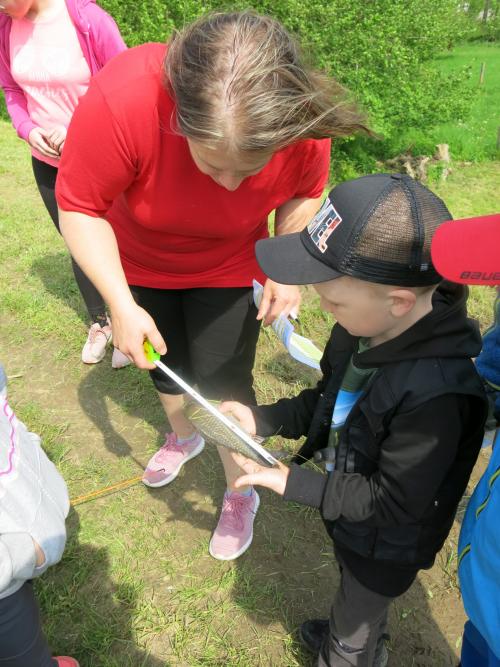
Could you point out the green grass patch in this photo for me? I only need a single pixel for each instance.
(473, 137)
(136, 586)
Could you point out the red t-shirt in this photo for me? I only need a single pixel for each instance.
(175, 226)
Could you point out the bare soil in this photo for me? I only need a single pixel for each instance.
(290, 557)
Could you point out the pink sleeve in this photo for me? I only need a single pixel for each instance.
(14, 96)
(106, 38)
(316, 168)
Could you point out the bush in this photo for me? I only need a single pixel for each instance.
(484, 20)
(382, 51)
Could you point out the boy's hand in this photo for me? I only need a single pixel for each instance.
(242, 413)
(257, 475)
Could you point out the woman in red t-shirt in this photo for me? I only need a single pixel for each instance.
(172, 164)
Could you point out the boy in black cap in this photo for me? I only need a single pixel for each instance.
(399, 413)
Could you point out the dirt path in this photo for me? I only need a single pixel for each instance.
(100, 424)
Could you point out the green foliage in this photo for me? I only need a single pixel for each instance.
(383, 52)
(472, 133)
(483, 17)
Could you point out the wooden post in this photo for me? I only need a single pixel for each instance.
(481, 74)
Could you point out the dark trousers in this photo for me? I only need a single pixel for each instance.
(357, 622)
(45, 177)
(22, 642)
(211, 336)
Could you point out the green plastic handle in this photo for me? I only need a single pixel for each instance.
(151, 354)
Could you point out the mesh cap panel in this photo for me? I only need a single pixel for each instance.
(393, 245)
(389, 233)
(433, 212)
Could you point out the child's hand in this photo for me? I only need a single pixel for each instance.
(242, 413)
(272, 478)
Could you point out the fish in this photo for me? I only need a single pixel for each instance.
(217, 433)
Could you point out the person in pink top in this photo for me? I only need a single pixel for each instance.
(49, 50)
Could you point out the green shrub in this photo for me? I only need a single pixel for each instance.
(382, 51)
(483, 27)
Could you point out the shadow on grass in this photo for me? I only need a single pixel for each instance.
(56, 274)
(288, 589)
(87, 615)
(133, 391)
(288, 575)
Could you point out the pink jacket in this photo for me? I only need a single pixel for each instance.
(99, 39)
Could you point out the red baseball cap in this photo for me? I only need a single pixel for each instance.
(468, 250)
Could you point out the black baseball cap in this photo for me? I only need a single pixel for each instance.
(376, 228)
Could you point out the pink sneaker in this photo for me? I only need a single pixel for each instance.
(95, 348)
(119, 360)
(234, 532)
(165, 465)
(65, 661)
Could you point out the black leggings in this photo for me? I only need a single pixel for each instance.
(211, 336)
(22, 642)
(45, 177)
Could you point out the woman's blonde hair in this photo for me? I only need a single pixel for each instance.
(239, 80)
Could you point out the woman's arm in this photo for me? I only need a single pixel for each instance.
(291, 217)
(295, 214)
(15, 101)
(99, 163)
(92, 243)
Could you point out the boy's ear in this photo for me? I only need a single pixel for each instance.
(403, 301)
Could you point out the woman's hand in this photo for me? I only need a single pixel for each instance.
(242, 413)
(38, 139)
(132, 325)
(56, 138)
(257, 475)
(277, 300)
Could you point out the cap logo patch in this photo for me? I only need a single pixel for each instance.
(323, 224)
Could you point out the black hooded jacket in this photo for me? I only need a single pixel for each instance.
(407, 448)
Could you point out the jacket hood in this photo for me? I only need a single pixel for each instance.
(445, 332)
(74, 9)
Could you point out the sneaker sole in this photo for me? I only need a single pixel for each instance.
(95, 361)
(243, 548)
(172, 476)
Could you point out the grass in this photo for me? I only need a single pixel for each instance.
(136, 585)
(474, 137)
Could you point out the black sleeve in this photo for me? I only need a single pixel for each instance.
(291, 417)
(414, 460)
(288, 417)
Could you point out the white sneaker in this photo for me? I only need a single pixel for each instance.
(119, 360)
(95, 348)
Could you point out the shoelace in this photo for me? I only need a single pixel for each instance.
(233, 509)
(93, 334)
(169, 446)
